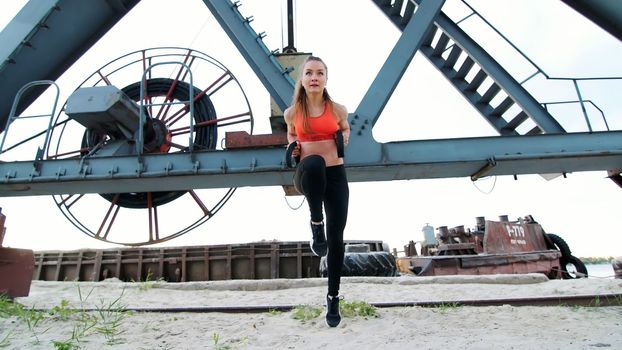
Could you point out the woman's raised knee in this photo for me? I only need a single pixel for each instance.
(313, 162)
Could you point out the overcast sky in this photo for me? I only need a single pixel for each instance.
(354, 38)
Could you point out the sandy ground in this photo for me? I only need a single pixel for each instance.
(445, 327)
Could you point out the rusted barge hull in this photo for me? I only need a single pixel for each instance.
(545, 262)
(261, 260)
(492, 247)
(16, 266)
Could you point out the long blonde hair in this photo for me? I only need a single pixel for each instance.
(299, 100)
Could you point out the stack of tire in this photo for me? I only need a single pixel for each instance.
(572, 267)
(358, 260)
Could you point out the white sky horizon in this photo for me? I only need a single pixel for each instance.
(581, 208)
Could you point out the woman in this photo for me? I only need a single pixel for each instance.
(313, 120)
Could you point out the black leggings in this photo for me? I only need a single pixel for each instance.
(329, 186)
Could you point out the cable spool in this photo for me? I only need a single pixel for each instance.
(219, 106)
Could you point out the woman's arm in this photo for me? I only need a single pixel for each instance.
(342, 116)
(288, 115)
(292, 136)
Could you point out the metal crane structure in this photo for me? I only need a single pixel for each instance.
(125, 151)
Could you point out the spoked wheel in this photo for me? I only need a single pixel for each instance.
(219, 104)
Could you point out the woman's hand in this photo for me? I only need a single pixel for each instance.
(346, 136)
(296, 151)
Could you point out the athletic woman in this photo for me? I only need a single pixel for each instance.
(313, 120)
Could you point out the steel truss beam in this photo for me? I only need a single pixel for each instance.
(400, 57)
(263, 62)
(366, 159)
(511, 155)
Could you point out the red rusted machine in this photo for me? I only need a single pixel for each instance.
(16, 267)
(492, 247)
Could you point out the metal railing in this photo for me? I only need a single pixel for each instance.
(12, 117)
(541, 71)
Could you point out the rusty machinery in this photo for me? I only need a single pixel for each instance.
(502, 246)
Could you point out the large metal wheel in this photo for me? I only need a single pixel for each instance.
(220, 105)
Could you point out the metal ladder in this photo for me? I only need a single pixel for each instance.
(452, 39)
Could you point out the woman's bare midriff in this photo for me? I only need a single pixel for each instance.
(325, 148)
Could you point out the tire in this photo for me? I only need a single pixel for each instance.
(364, 264)
(558, 243)
(577, 268)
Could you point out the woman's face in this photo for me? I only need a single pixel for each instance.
(314, 77)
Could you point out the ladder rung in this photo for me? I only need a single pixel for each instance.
(503, 106)
(492, 91)
(453, 57)
(396, 9)
(535, 131)
(516, 121)
(441, 45)
(408, 13)
(427, 41)
(477, 80)
(465, 68)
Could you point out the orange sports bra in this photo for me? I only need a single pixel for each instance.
(323, 127)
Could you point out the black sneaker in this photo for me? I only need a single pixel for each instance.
(318, 243)
(332, 311)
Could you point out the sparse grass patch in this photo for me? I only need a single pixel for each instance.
(595, 302)
(5, 340)
(106, 320)
(446, 307)
(109, 319)
(235, 343)
(305, 312)
(274, 312)
(64, 345)
(7, 307)
(357, 308)
(30, 317)
(62, 311)
(148, 283)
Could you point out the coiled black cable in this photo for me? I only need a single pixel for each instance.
(205, 138)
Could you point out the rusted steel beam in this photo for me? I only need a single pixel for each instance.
(241, 139)
(587, 300)
(590, 300)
